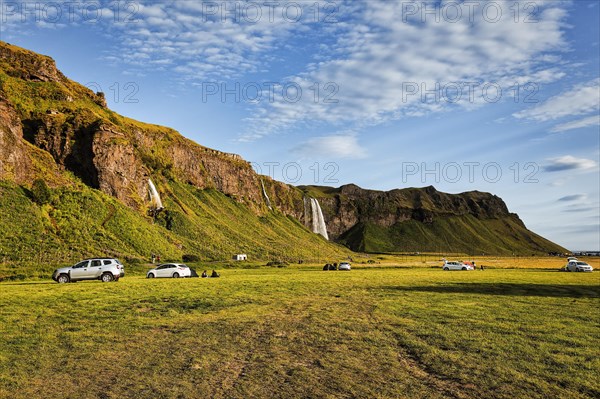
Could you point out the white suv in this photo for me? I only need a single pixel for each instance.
(105, 269)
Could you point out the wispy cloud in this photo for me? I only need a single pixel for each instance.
(205, 40)
(195, 40)
(569, 162)
(580, 100)
(574, 197)
(580, 208)
(577, 124)
(371, 61)
(333, 147)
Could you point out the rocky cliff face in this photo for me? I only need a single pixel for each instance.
(109, 152)
(20, 161)
(349, 205)
(13, 160)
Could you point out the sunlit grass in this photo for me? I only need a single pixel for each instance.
(374, 332)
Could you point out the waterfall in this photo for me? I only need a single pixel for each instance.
(307, 212)
(154, 197)
(265, 194)
(318, 223)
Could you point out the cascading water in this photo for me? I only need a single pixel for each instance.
(265, 194)
(154, 197)
(318, 222)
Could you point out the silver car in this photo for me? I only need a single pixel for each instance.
(578, 266)
(105, 269)
(173, 270)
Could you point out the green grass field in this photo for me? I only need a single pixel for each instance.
(374, 332)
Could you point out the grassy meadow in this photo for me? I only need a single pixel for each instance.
(378, 331)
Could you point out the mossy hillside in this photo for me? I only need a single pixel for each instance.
(81, 222)
(76, 223)
(426, 220)
(466, 234)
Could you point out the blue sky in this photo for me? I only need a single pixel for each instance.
(492, 96)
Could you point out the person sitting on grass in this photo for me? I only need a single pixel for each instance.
(204, 274)
(215, 274)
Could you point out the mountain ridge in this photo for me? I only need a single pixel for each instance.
(57, 130)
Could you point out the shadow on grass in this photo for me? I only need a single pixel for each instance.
(26, 282)
(509, 289)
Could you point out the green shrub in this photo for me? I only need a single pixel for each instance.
(190, 258)
(40, 193)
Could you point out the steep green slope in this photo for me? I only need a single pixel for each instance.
(81, 222)
(456, 234)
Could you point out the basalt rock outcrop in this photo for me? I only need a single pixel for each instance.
(348, 205)
(109, 152)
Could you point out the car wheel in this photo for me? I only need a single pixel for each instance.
(63, 278)
(107, 278)
(175, 275)
(446, 269)
(577, 270)
(464, 268)
(150, 275)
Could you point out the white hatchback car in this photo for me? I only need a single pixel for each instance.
(173, 270)
(344, 266)
(457, 266)
(578, 266)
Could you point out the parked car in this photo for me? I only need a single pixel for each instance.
(344, 266)
(105, 269)
(578, 266)
(173, 270)
(453, 265)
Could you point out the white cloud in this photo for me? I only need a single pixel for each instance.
(375, 54)
(580, 100)
(569, 162)
(208, 40)
(332, 147)
(577, 124)
(383, 61)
